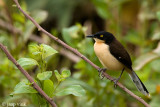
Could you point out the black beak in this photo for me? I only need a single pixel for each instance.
(90, 36)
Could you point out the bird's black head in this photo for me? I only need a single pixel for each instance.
(103, 37)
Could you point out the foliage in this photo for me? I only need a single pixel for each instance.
(134, 23)
(43, 78)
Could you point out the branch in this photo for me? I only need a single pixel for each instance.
(33, 37)
(10, 57)
(9, 27)
(79, 54)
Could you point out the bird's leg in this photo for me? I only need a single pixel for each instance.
(116, 80)
(101, 70)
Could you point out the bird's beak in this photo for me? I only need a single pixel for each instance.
(90, 36)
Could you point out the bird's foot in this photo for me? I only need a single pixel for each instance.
(101, 70)
(115, 80)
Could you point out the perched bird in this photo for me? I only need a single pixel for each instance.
(113, 56)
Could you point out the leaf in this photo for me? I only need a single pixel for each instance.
(66, 73)
(75, 90)
(73, 81)
(22, 87)
(146, 58)
(48, 87)
(74, 34)
(68, 33)
(34, 49)
(63, 76)
(48, 51)
(58, 76)
(44, 75)
(38, 100)
(102, 8)
(27, 62)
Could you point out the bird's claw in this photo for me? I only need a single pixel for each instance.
(101, 70)
(115, 82)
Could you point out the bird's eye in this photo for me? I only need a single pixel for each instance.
(101, 36)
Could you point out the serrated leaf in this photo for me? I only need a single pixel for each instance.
(44, 75)
(75, 90)
(48, 51)
(58, 76)
(22, 87)
(48, 87)
(66, 73)
(27, 62)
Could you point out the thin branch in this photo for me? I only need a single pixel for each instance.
(79, 54)
(10, 57)
(9, 27)
(62, 51)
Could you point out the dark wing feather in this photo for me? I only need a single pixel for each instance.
(119, 52)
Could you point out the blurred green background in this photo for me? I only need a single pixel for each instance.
(135, 23)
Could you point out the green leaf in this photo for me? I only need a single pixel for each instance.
(48, 51)
(44, 75)
(74, 34)
(66, 73)
(27, 62)
(75, 90)
(48, 87)
(34, 48)
(22, 87)
(102, 8)
(146, 58)
(39, 100)
(58, 76)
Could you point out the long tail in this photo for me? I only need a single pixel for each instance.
(140, 86)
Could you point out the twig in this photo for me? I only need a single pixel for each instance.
(9, 27)
(79, 54)
(33, 37)
(10, 57)
(61, 50)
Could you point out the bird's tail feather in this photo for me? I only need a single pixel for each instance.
(140, 86)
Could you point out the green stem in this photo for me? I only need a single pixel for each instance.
(57, 86)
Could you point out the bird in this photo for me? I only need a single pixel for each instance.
(113, 56)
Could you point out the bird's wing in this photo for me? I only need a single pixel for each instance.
(120, 54)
